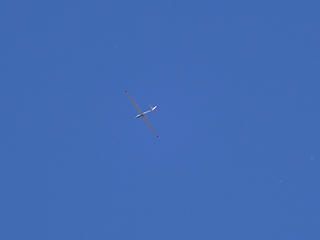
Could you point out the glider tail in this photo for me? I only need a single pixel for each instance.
(153, 108)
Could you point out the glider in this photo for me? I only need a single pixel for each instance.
(142, 114)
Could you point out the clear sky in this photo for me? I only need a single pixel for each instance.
(237, 85)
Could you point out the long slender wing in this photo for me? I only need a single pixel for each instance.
(145, 119)
(135, 105)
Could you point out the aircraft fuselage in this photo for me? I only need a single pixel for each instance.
(142, 114)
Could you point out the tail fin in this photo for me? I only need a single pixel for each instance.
(153, 108)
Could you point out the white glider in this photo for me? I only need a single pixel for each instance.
(142, 114)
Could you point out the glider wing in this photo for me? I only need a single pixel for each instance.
(135, 105)
(146, 120)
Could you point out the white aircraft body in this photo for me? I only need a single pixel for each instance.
(143, 114)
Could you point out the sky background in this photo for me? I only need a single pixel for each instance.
(237, 85)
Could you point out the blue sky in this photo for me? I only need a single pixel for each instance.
(237, 85)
